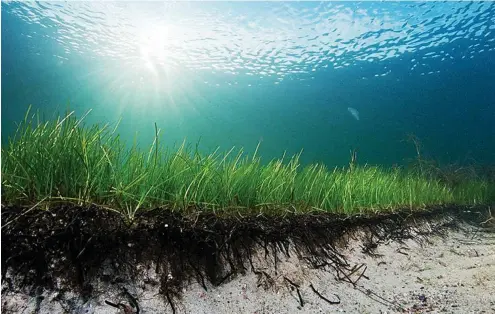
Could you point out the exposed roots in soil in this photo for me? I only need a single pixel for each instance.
(68, 247)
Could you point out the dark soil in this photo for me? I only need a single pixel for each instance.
(67, 247)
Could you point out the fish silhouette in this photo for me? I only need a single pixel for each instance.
(354, 112)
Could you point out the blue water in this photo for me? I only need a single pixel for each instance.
(283, 73)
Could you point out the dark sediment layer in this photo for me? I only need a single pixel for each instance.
(67, 247)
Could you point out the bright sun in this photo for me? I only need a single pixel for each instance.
(155, 43)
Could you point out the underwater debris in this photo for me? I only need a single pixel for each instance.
(354, 112)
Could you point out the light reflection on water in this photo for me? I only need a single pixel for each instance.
(264, 40)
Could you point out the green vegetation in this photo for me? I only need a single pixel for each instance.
(63, 160)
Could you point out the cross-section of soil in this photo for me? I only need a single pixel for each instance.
(82, 260)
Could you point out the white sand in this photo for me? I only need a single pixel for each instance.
(451, 275)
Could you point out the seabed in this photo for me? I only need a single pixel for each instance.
(86, 217)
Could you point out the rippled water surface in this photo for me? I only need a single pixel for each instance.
(234, 73)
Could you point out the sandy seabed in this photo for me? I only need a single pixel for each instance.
(452, 274)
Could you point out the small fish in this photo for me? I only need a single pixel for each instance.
(354, 112)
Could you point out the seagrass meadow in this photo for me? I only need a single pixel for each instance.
(191, 157)
(75, 196)
(64, 161)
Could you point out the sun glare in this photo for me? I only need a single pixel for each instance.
(155, 44)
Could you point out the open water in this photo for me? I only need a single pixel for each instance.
(326, 77)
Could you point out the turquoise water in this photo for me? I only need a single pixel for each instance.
(326, 77)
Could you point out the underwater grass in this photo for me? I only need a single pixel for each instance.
(63, 160)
